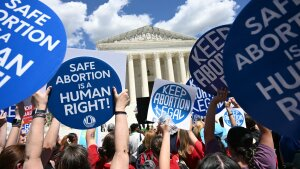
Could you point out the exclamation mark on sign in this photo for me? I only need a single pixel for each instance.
(107, 101)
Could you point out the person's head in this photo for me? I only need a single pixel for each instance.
(197, 128)
(73, 156)
(22, 137)
(240, 143)
(13, 157)
(107, 150)
(134, 127)
(149, 135)
(156, 144)
(217, 161)
(184, 150)
(69, 139)
(110, 127)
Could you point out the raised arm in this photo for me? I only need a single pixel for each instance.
(121, 157)
(14, 133)
(230, 115)
(35, 139)
(90, 137)
(210, 116)
(3, 127)
(196, 143)
(266, 137)
(50, 140)
(164, 155)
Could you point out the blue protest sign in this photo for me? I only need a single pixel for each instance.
(206, 60)
(10, 113)
(82, 95)
(32, 47)
(261, 63)
(238, 115)
(202, 101)
(174, 100)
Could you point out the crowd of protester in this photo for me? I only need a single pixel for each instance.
(206, 145)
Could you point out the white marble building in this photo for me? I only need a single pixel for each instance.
(152, 53)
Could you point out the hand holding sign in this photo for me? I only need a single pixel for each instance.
(121, 100)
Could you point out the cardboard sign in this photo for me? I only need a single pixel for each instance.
(32, 47)
(261, 63)
(239, 116)
(202, 101)
(206, 60)
(175, 100)
(82, 95)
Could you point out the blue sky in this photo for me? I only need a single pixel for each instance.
(87, 21)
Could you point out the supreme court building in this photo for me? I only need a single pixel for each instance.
(152, 53)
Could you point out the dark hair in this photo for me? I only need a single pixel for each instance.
(107, 150)
(12, 155)
(156, 144)
(73, 156)
(221, 121)
(217, 161)
(67, 140)
(240, 140)
(133, 127)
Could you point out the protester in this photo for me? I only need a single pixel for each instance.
(12, 157)
(69, 139)
(114, 153)
(240, 141)
(218, 161)
(110, 127)
(135, 139)
(191, 150)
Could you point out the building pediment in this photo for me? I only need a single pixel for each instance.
(147, 33)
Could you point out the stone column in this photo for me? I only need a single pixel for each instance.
(145, 90)
(131, 78)
(157, 66)
(170, 67)
(182, 67)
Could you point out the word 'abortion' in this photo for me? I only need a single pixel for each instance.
(83, 76)
(85, 101)
(211, 66)
(277, 83)
(173, 98)
(272, 40)
(18, 25)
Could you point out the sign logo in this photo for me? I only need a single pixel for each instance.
(262, 66)
(238, 116)
(81, 95)
(206, 60)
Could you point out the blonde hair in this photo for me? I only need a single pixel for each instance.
(184, 148)
(149, 135)
(197, 128)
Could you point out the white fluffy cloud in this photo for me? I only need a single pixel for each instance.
(108, 20)
(73, 16)
(192, 18)
(197, 16)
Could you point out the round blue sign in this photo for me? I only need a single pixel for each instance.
(32, 47)
(82, 95)
(206, 60)
(202, 101)
(173, 100)
(261, 63)
(238, 116)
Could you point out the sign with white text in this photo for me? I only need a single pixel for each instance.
(82, 95)
(206, 60)
(262, 63)
(174, 100)
(202, 101)
(32, 47)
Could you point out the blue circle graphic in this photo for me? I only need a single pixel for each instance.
(206, 59)
(82, 95)
(238, 116)
(32, 46)
(262, 64)
(173, 100)
(202, 100)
